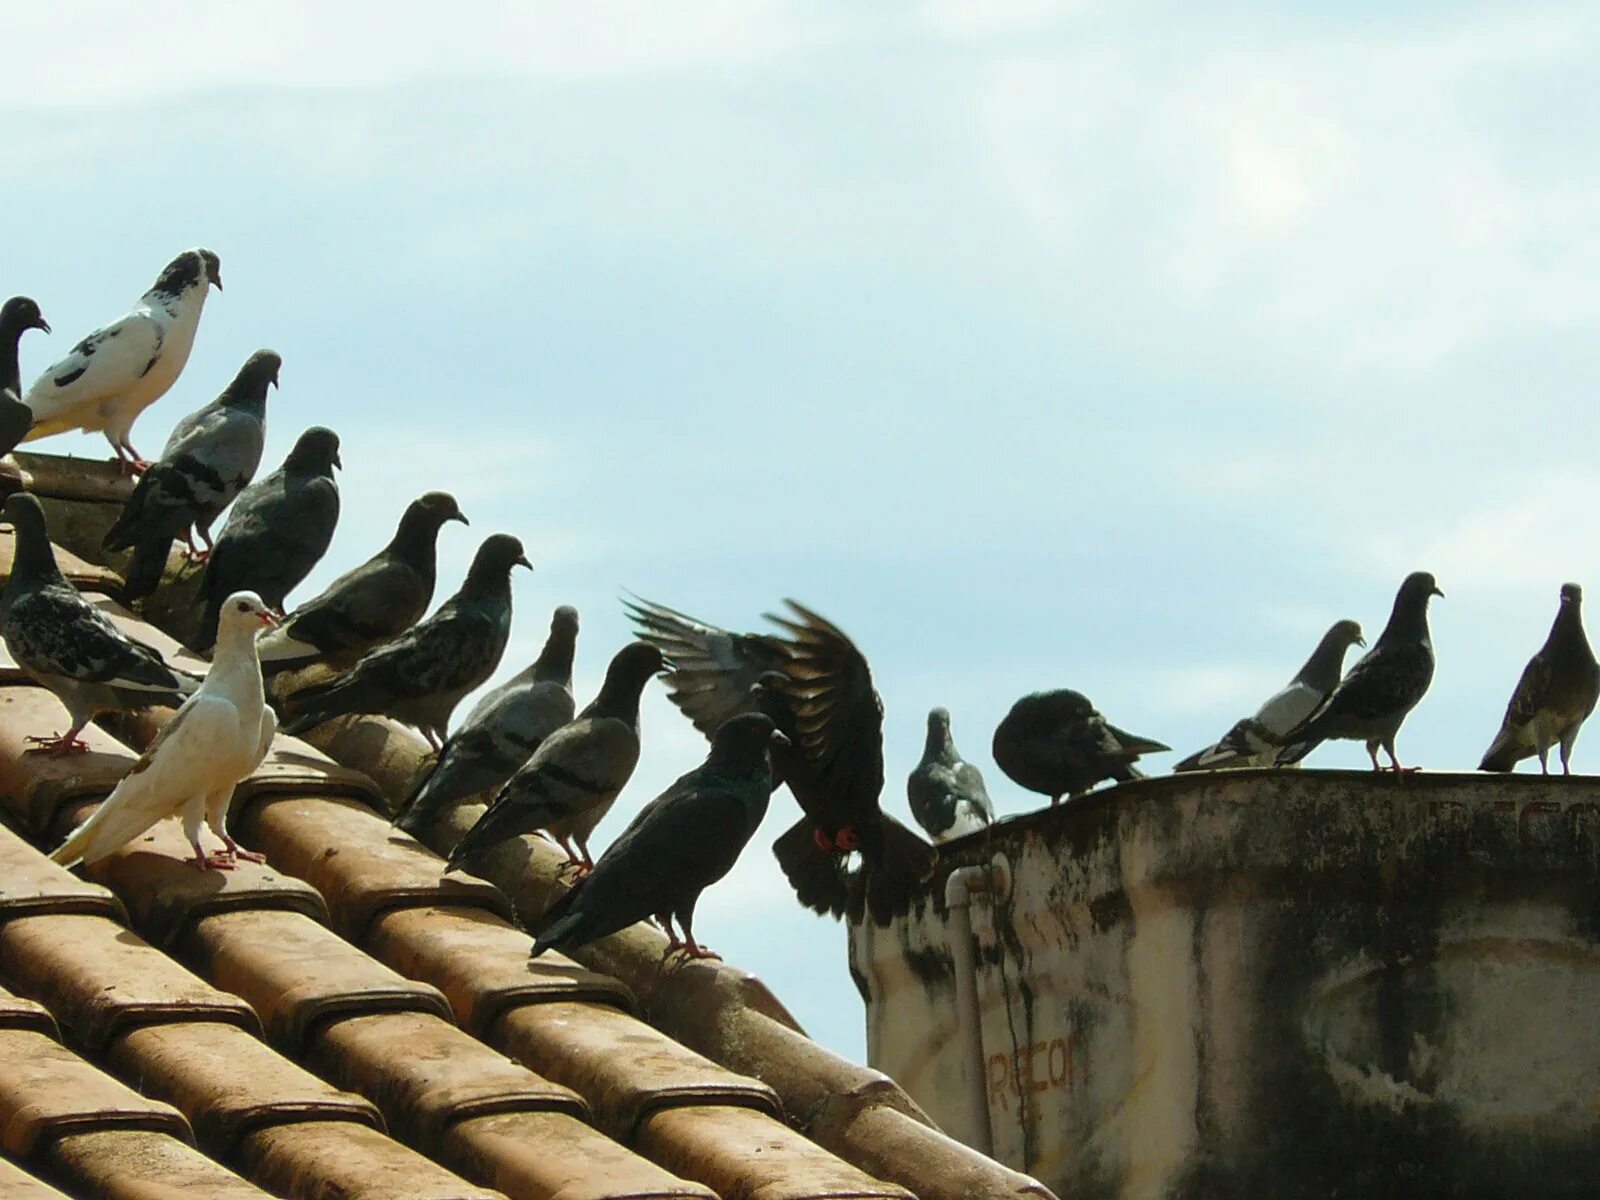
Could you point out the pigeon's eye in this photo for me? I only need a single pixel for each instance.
(242, 606)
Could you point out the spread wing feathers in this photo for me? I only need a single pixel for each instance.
(56, 632)
(821, 882)
(835, 704)
(712, 670)
(101, 365)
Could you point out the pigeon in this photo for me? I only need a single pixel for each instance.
(1372, 701)
(371, 605)
(681, 843)
(1057, 744)
(502, 731)
(17, 315)
(217, 739)
(947, 795)
(1249, 743)
(823, 701)
(420, 677)
(278, 529)
(1554, 697)
(117, 372)
(69, 646)
(576, 774)
(209, 459)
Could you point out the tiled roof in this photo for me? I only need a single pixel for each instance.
(346, 1022)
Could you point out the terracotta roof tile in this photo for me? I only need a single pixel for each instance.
(30, 883)
(17, 1184)
(124, 1164)
(86, 575)
(38, 786)
(350, 1162)
(16, 1012)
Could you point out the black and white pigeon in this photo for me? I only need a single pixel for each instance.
(1554, 697)
(421, 676)
(1250, 742)
(681, 843)
(1372, 701)
(118, 371)
(576, 774)
(66, 644)
(210, 458)
(1057, 744)
(17, 315)
(370, 605)
(502, 731)
(822, 699)
(277, 530)
(947, 795)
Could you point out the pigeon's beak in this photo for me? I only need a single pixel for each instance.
(1361, 641)
(216, 278)
(1437, 592)
(522, 561)
(460, 516)
(41, 323)
(779, 741)
(337, 461)
(267, 619)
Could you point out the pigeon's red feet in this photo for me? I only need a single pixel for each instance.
(847, 840)
(233, 851)
(220, 861)
(58, 745)
(824, 842)
(692, 949)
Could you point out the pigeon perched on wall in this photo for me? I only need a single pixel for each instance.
(947, 795)
(372, 604)
(66, 644)
(17, 315)
(277, 530)
(1057, 744)
(681, 843)
(1250, 742)
(117, 372)
(501, 732)
(421, 676)
(217, 739)
(823, 701)
(209, 459)
(576, 774)
(1554, 697)
(1373, 700)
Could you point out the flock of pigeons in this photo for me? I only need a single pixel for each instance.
(793, 706)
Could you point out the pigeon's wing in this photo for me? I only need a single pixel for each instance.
(712, 670)
(56, 632)
(838, 714)
(436, 656)
(1286, 709)
(101, 365)
(362, 607)
(1387, 680)
(1532, 689)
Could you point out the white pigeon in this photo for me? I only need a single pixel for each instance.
(117, 372)
(217, 738)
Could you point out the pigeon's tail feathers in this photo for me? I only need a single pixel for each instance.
(143, 575)
(1504, 754)
(113, 825)
(1212, 758)
(819, 878)
(560, 934)
(505, 818)
(322, 702)
(449, 782)
(281, 652)
(897, 865)
(1292, 753)
(50, 426)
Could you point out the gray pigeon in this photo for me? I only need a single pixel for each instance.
(1250, 742)
(277, 530)
(67, 645)
(209, 459)
(1057, 744)
(372, 604)
(17, 315)
(421, 676)
(947, 795)
(502, 731)
(1372, 701)
(681, 843)
(1554, 697)
(574, 777)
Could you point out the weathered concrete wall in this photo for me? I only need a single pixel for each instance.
(1285, 984)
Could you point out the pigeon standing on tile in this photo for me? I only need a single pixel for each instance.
(1554, 697)
(421, 676)
(681, 843)
(117, 372)
(372, 604)
(947, 795)
(1372, 701)
(823, 701)
(17, 315)
(69, 646)
(217, 739)
(576, 774)
(502, 731)
(1250, 742)
(209, 459)
(278, 529)
(1057, 744)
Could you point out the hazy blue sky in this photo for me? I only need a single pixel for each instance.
(1121, 347)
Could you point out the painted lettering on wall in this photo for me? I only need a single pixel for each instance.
(1037, 1067)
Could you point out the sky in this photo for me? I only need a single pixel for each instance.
(1116, 347)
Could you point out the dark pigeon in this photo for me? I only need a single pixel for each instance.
(210, 458)
(1057, 744)
(17, 315)
(371, 605)
(572, 780)
(502, 731)
(1250, 742)
(1554, 697)
(67, 645)
(421, 676)
(681, 843)
(1372, 701)
(947, 795)
(277, 531)
(823, 701)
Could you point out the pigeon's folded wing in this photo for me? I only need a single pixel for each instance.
(106, 361)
